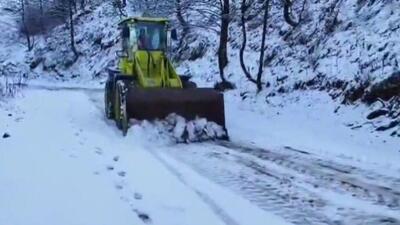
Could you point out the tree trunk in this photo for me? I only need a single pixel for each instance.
(74, 4)
(258, 80)
(182, 22)
(82, 4)
(263, 47)
(27, 33)
(287, 12)
(243, 9)
(41, 16)
(72, 29)
(223, 39)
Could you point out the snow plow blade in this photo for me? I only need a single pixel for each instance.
(158, 103)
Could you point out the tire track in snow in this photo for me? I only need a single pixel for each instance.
(264, 190)
(334, 175)
(293, 183)
(228, 220)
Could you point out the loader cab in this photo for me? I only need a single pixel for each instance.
(144, 54)
(144, 34)
(151, 36)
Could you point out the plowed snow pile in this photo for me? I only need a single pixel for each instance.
(178, 129)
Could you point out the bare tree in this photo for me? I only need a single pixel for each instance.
(72, 28)
(82, 4)
(41, 15)
(183, 23)
(287, 12)
(217, 17)
(223, 38)
(244, 8)
(26, 30)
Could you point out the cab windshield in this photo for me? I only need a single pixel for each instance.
(151, 36)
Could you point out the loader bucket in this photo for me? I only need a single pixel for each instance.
(158, 103)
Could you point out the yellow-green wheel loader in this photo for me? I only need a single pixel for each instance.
(146, 85)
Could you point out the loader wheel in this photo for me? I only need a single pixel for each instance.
(121, 116)
(108, 106)
(189, 85)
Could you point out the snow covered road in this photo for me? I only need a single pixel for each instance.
(65, 164)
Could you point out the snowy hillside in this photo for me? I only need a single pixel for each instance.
(347, 58)
(344, 48)
(360, 44)
(13, 68)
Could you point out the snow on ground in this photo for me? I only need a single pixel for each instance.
(303, 163)
(65, 164)
(306, 119)
(309, 122)
(302, 187)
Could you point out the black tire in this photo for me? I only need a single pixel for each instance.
(108, 103)
(189, 85)
(121, 117)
